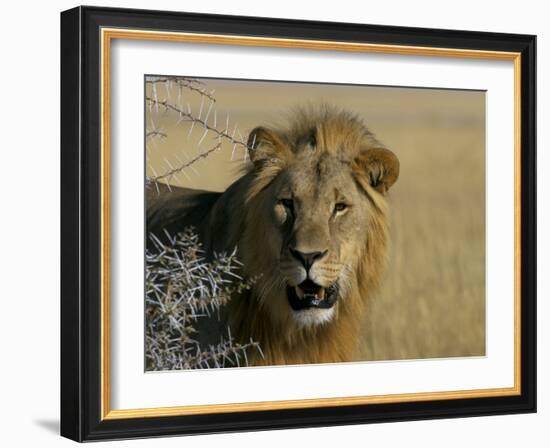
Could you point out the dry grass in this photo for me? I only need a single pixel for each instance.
(432, 303)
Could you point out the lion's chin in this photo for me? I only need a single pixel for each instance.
(313, 317)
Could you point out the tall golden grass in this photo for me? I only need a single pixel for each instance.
(432, 302)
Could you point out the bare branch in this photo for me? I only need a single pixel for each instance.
(188, 83)
(190, 118)
(188, 164)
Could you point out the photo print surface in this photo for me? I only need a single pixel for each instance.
(297, 223)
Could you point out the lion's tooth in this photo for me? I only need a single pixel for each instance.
(299, 292)
(321, 294)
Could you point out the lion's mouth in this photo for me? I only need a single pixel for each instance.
(308, 294)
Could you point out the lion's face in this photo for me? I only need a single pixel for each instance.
(312, 198)
(315, 214)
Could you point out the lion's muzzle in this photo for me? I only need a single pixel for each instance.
(307, 259)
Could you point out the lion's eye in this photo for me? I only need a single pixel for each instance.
(288, 204)
(339, 207)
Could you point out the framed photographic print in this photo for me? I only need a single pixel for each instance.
(272, 223)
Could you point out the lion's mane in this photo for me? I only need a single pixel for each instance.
(234, 218)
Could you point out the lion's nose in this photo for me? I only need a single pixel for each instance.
(307, 258)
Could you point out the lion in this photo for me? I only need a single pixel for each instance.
(309, 219)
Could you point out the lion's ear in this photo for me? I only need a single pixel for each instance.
(266, 145)
(379, 166)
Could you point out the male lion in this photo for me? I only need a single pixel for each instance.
(309, 219)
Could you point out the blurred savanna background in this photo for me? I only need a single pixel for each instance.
(432, 303)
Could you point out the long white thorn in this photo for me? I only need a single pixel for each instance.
(208, 113)
(200, 110)
(203, 136)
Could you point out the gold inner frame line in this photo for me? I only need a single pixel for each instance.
(107, 35)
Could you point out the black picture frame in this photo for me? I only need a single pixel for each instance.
(81, 224)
